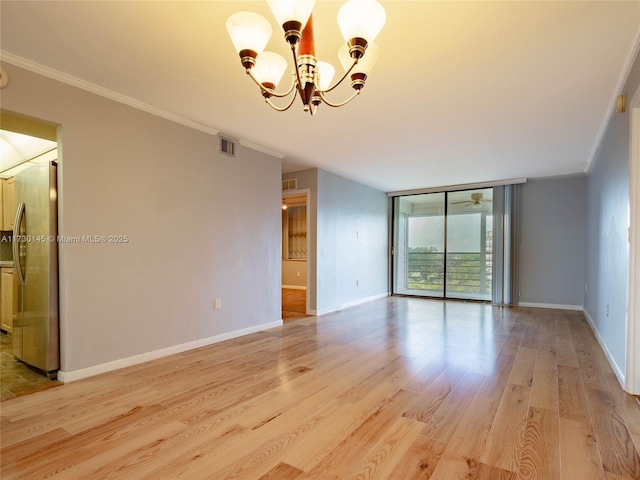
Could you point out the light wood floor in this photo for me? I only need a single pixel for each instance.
(397, 388)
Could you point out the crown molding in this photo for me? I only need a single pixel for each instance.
(101, 91)
(120, 98)
(260, 148)
(622, 79)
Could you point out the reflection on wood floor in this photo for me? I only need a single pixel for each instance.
(397, 388)
(294, 303)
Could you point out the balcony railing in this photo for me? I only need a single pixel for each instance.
(467, 273)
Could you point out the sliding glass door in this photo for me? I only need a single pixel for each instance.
(469, 244)
(443, 244)
(419, 256)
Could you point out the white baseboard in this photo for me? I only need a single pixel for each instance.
(73, 375)
(555, 306)
(347, 305)
(607, 353)
(294, 287)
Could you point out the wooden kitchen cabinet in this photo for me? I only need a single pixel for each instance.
(2, 203)
(9, 203)
(6, 295)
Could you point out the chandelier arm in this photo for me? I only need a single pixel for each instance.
(355, 62)
(268, 90)
(282, 109)
(355, 94)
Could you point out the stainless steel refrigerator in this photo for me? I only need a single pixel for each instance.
(35, 259)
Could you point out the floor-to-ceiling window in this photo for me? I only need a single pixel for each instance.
(443, 244)
(419, 244)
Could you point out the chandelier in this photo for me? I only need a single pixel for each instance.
(360, 21)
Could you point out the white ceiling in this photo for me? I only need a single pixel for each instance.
(462, 91)
(16, 149)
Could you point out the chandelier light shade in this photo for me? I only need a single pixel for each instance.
(269, 69)
(291, 15)
(249, 33)
(363, 67)
(360, 22)
(325, 75)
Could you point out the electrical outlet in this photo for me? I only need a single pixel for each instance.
(357, 283)
(217, 304)
(607, 309)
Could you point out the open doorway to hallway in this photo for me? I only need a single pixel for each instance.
(294, 254)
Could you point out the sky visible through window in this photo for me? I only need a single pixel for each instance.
(427, 231)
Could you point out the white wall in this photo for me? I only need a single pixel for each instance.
(553, 242)
(166, 186)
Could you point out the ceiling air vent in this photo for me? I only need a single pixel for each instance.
(291, 184)
(228, 146)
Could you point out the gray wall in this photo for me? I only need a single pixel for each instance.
(608, 200)
(553, 243)
(348, 238)
(191, 215)
(352, 242)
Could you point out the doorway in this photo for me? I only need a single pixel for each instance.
(443, 245)
(295, 245)
(23, 148)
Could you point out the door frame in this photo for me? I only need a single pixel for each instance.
(307, 193)
(632, 377)
(394, 221)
